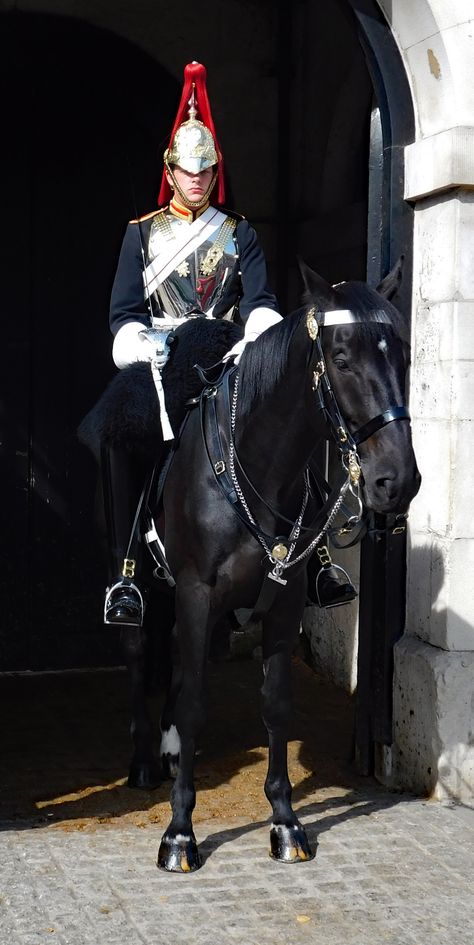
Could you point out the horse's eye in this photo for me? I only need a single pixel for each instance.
(341, 364)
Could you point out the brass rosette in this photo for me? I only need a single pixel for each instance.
(311, 323)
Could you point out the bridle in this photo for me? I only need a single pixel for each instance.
(347, 442)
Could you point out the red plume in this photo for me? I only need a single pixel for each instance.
(195, 73)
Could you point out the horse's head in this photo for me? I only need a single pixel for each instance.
(365, 344)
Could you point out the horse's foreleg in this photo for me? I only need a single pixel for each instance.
(144, 771)
(178, 851)
(287, 836)
(170, 741)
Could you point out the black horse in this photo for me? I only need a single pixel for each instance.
(241, 516)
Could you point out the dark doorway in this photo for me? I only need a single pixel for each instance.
(79, 157)
(86, 116)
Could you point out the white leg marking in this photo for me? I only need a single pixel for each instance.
(170, 741)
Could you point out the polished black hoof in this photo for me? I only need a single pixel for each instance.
(290, 844)
(123, 606)
(332, 588)
(179, 854)
(146, 777)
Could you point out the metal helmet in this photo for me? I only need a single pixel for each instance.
(193, 144)
(193, 147)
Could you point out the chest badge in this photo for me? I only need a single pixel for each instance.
(211, 260)
(183, 268)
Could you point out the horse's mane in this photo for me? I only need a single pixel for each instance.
(264, 361)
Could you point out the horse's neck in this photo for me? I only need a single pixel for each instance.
(277, 439)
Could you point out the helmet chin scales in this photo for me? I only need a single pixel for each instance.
(185, 201)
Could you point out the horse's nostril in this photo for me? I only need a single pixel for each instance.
(392, 490)
(387, 481)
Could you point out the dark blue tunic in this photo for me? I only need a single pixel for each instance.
(244, 291)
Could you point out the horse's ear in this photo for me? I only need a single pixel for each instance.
(392, 282)
(316, 289)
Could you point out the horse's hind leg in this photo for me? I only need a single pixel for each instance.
(144, 769)
(287, 837)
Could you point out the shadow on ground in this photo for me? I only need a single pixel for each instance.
(66, 750)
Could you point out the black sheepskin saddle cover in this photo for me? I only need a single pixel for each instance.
(127, 415)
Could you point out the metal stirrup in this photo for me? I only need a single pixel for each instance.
(110, 590)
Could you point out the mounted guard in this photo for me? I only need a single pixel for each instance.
(188, 260)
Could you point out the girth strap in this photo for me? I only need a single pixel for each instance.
(212, 440)
(155, 487)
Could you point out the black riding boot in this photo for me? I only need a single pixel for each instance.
(122, 482)
(329, 585)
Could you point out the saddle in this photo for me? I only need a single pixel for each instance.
(127, 415)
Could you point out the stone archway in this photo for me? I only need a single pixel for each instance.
(432, 748)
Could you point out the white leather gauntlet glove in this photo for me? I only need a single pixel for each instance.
(134, 343)
(259, 320)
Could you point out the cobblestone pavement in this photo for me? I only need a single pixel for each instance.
(388, 869)
(78, 853)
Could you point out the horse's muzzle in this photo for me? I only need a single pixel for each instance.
(389, 485)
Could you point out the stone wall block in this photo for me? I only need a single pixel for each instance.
(436, 223)
(433, 339)
(333, 637)
(463, 390)
(433, 748)
(431, 393)
(414, 22)
(440, 162)
(333, 634)
(440, 601)
(431, 71)
(439, 67)
(459, 46)
(428, 589)
(463, 331)
(465, 236)
(460, 623)
(444, 235)
(463, 482)
(431, 509)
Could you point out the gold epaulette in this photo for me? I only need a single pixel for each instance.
(148, 216)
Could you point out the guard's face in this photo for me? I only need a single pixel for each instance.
(193, 185)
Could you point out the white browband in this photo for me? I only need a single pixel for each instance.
(339, 316)
(343, 316)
